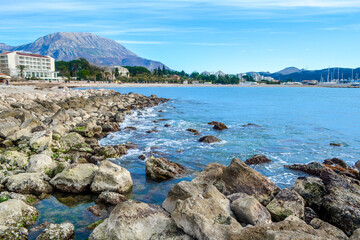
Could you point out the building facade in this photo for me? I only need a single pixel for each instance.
(35, 66)
(123, 72)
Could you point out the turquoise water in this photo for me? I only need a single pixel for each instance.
(297, 125)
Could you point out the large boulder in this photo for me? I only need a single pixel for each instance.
(76, 178)
(11, 233)
(111, 177)
(16, 213)
(248, 210)
(219, 126)
(75, 141)
(238, 177)
(311, 189)
(206, 216)
(286, 203)
(341, 204)
(292, 228)
(8, 126)
(29, 183)
(25, 131)
(162, 169)
(135, 220)
(41, 140)
(64, 231)
(41, 163)
(14, 159)
(317, 223)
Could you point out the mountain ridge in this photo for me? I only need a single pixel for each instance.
(98, 50)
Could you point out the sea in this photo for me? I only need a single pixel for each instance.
(292, 125)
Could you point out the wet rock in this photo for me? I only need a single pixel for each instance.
(134, 220)
(248, 210)
(41, 163)
(209, 139)
(111, 177)
(195, 132)
(130, 128)
(110, 127)
(64, 231)
(251, 125)
(336, 162)
(112, 198)
(10, 233)
(29, 183)
(206, 216)
(309, 215)
(16, 213)
(162, 169)
(142, 157)
(220, 126)
(167, 125)
(336, 144)
(311, 189)
(76, 178)
(313, 168)
(14, 159)
(97, 210)
(317, 223)
(341, 204)
(287, 202)
(257, 159)
(152, 131)
(41, 140)
(238, 177)
(292, 228)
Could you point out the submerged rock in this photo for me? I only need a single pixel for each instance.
(76, 178)
(111, 177)
(257, 159)
(209, 139)
(64, 231)
(135, 220)
(195, 132)
(161, 169)
(336, 144)
(286, 203)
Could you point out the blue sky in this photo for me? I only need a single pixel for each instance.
(229, 35)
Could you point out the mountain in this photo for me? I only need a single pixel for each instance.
(302, 74)
(97, 50)
(4, 47)
(289, 70)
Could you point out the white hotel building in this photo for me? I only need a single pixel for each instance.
(36, 66)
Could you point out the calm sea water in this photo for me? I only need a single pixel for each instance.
(297, 125)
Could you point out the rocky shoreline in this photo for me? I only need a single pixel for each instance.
(49, 145)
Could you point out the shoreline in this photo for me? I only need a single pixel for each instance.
(49, 143)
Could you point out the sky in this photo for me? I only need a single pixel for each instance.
(234, 36)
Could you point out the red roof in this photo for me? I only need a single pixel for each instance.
(27, 54)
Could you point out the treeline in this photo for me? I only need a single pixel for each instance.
(81, 69)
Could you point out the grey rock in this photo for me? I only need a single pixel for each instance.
(63, 231)
(29, 183)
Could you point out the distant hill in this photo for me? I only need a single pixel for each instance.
(302, 74)
(97, 50)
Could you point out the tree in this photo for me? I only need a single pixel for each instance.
(83, 74)
(21, 68)
(117, 72)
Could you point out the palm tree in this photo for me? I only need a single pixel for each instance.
(21, 68)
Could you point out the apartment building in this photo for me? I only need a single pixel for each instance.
(35, 65)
